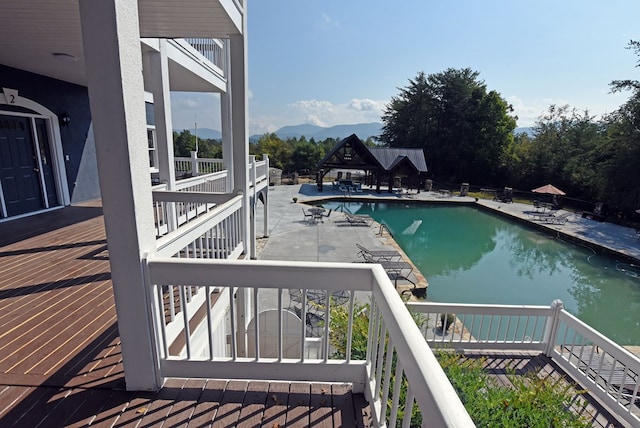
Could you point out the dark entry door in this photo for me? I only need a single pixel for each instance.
(19, 172)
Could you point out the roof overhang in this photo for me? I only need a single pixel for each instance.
(32, 31)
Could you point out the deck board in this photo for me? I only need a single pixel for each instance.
(61, 362)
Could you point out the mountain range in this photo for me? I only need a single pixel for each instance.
(318, 133)
(362, 130)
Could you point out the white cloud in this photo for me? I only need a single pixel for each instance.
(314, 120)
(326, 22)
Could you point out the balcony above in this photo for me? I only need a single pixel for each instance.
(33, 31)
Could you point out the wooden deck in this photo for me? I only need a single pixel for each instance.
(60, 362)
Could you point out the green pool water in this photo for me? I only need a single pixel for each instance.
(471, 256)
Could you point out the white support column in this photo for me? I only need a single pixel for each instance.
(239, 114)
(225, 116)
(111, 38)
(159, 72)
(194, 164)
(265, 215)
(252, 207)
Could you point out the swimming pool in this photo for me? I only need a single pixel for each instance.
(471, 256)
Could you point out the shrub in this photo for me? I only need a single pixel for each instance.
(450, 319)
(532, 402)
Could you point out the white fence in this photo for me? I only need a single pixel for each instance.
(210, 225)
(193, 166)
(606, 369)
(398, 370)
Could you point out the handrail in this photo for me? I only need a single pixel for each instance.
(390, 322)
(178, 239)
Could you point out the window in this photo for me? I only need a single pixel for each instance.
(153, 153)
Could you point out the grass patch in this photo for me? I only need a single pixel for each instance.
(532, 402)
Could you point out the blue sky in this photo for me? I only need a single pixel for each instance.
(336, 62)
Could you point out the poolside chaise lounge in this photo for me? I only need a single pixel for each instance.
(388, 255)
(358, 219)
(394, 269)
(539, 216)
(602, 370)
(557, 219)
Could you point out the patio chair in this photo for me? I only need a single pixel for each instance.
(388, 255)
(308, 217)
(325, 215)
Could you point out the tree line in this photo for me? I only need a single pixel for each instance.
(290, 155)
(467, 134)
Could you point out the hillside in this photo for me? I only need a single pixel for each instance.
(362, 130)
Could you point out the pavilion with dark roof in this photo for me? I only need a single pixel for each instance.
(382, 165)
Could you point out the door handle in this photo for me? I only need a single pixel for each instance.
(36, 170)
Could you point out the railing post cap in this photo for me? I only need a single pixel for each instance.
(557, 304)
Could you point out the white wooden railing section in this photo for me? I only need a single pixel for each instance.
(211, 49)
(606, 369)
(171, 212)
(224, 345)
(193, 166)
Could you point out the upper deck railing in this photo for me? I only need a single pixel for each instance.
(211, 49)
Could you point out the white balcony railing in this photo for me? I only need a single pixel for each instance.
(199, 225)
(194, 166)
(608, 370)
(398, 370)
(211, 49)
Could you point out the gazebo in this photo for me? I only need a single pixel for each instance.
(381, 164)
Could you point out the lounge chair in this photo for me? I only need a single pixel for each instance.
(609, 374)
(557, 219)
(388, 255)
(308, 217)
(393, 269)
(539, 216)
(358, 220)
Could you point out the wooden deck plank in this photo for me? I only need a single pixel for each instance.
(362, 411)
(275, 412)
(343, 406)
(253, 405)
(208, 404)
(231, 404)
(11, 396)
(160, 408)
(298, 407)
(185, 404)
(321, 406)
(135, 410)
(113, 405)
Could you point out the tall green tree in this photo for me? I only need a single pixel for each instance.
(619, 154)
(464, 130)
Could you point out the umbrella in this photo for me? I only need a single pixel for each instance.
(549, 189)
